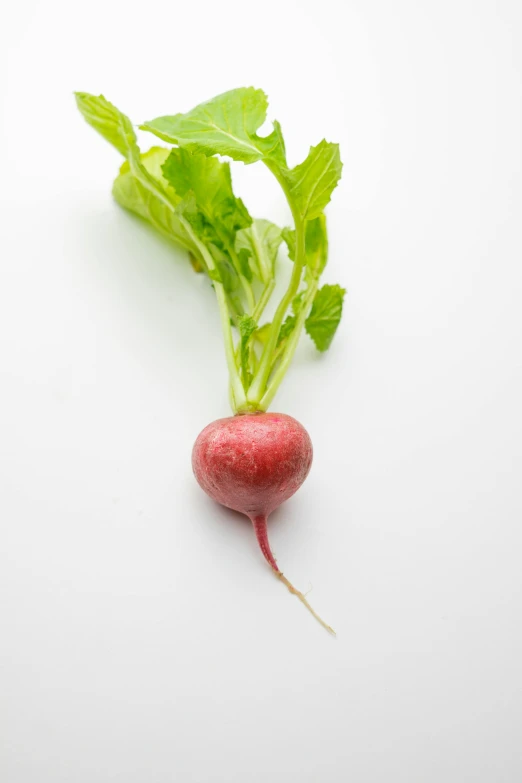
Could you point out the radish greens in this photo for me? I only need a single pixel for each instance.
(185, 192)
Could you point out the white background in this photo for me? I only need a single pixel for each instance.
(143, 638)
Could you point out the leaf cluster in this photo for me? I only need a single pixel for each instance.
(185, 192)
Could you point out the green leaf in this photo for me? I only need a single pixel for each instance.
(224, 272)
(210, 207)
(247, 326)
(312, 182)
(104, 117)
(208, 179)
(262, 333)
(225, 125)
(316, 243)
(153, 161)
(205, 231)
(316, 246)
(228, 276)
(243, 257)
(134, 194)
(261, 240)
(289, 236)
(140, 186)
(287, 327)
(297, 302)
(325, 315)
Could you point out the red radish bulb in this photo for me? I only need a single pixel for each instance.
(252, 463)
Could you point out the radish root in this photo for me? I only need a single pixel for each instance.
(260, 529)
(303, 600)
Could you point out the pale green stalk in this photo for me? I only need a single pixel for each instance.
(263, 300)
(290, 347)
(236, 387)
(258, 386)
(264, 268)
(247, 288)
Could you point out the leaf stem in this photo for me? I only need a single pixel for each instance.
(263, 300)
(237, 393)
(264, 267)
(290, 347)
(247, 288)
(257, 388)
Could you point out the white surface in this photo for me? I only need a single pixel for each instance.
(143, 639)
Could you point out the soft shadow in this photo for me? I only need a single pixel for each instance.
(235, 519)
(168, 312)
(139, 254)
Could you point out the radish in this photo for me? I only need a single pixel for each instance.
(253, 461)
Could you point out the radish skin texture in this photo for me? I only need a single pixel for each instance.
(252, 463)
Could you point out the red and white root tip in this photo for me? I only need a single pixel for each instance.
(261, 532)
